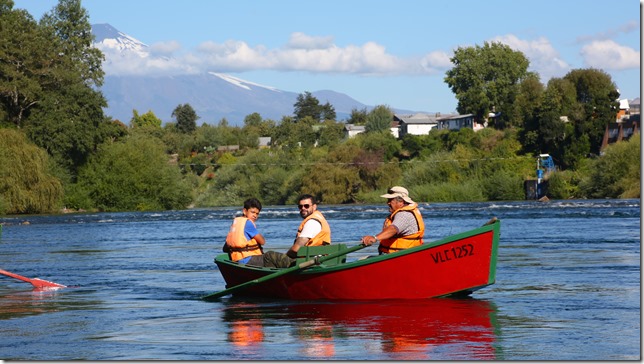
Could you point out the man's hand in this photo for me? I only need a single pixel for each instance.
(369, 239)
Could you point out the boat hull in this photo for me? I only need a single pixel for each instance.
(459, 264)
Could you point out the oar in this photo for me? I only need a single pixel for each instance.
(308, 263)
(36, 282)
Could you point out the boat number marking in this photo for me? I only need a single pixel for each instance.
(456, 252)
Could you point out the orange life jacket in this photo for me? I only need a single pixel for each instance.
(323, 237)
(396, 243)
(238, 246)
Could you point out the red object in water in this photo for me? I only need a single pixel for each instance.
(36, 282)
(455, 265)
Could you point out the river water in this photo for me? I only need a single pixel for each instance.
(568, 288)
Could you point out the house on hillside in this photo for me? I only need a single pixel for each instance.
(351, 130)
(416, 124)
(458, 122)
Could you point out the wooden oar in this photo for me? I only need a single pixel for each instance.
(308, 263)
(36, 282)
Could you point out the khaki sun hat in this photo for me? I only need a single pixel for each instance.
(398, 191)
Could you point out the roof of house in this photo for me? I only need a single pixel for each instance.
(416, 118)
(455, 116)
(351, 127)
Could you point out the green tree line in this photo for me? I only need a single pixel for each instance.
(58, 150)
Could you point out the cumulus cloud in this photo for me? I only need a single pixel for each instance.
(302, 52)
(609, 55)
(436, 62)
(544, 58)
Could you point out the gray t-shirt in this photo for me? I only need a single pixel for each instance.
(405, 223)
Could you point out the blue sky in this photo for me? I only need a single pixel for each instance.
(379, 52)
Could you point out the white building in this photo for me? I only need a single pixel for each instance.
(417, 124)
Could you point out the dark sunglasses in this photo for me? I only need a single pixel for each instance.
(306, 206)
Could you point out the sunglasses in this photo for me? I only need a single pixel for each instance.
(306, 206)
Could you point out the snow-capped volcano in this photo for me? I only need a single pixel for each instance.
(129, 85)
(108, 37)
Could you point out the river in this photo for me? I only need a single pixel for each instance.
(567, 288)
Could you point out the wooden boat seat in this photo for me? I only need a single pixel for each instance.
(308, 252)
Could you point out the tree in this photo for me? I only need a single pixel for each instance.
(485, 79)
(146, 120)
(23, 54)
(54, 95)
(186, 118)
(358, 117)
(379, 119)
(309, 105)
(597, 96)
(293, 134)
(133, 174)
(69, 23)
(253, 123)
(27, 184)
(527, 103)
(331, 133)
(327, 112)
(616, 174)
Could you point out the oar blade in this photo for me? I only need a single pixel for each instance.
(43, 284)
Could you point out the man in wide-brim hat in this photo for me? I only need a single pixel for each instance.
(403, 228)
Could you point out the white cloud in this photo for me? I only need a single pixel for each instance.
(301, 53)
(437, 61)
(609, 55)
(544, 58)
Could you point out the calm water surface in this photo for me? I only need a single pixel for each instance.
(568, 288)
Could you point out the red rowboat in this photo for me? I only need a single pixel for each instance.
(452, 266)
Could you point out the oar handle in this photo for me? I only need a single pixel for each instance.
(14, 275)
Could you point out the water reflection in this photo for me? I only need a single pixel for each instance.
(27, 303)
(406, 330)
(246, 332)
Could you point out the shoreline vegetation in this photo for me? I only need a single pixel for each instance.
(59, 152)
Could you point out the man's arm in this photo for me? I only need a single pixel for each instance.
(386, 233)
(299, 242)
(310, 229)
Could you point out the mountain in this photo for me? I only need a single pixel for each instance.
(212, 95)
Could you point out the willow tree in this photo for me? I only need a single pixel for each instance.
(27, 185)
